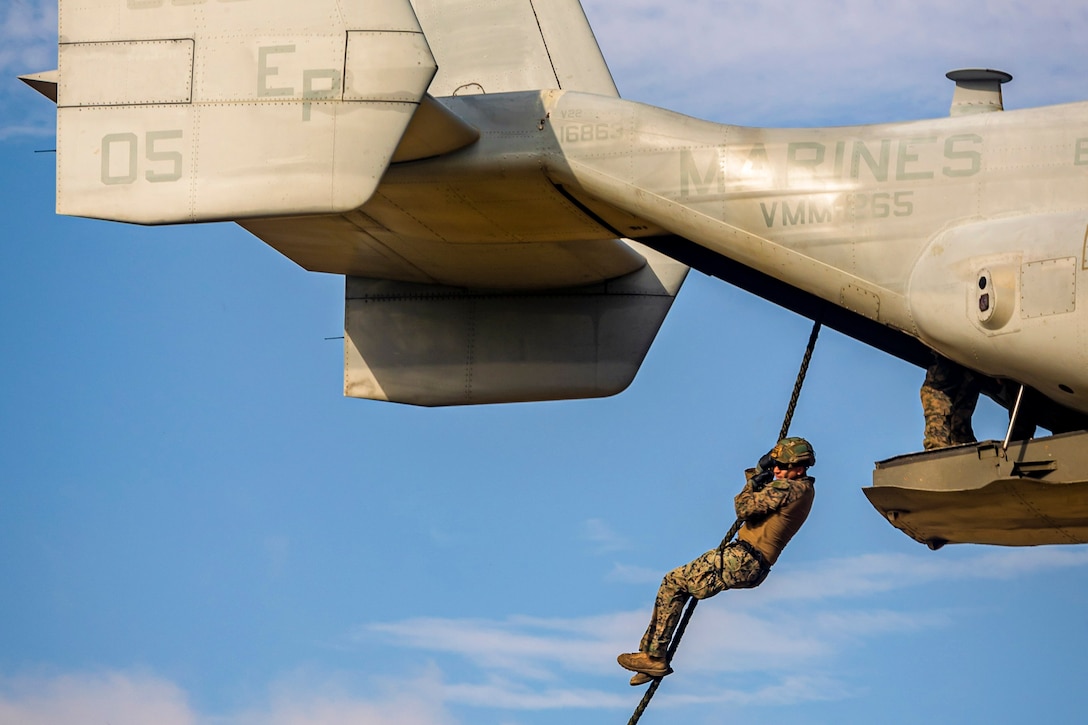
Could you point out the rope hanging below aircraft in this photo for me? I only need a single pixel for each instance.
(649, 694)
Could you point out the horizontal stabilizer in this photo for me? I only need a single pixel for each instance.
(179, 112)
(430, 345)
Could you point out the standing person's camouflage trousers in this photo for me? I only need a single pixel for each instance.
(949, 395)
(715, 571)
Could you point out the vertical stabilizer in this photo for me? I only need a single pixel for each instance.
(174, 112)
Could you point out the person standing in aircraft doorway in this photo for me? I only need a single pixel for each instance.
(949, 396)
(774, 503)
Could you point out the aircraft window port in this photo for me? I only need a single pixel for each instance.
(984, 299)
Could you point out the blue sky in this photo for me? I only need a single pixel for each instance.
(196, 528)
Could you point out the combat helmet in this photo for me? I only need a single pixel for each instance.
(794, 452)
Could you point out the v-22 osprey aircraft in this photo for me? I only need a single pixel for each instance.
(511, 230)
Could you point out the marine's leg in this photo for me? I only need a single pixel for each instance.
(704, 577)
(670, 601)
(964, 399)
(699, 578)
(937, 408)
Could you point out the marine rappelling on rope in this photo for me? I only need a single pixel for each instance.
(773, 505)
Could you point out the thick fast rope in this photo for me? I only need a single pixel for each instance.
(692, 602)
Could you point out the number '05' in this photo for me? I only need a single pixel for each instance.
(121, 158)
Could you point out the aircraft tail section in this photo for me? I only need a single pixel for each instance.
(429, 345)
(197, 111)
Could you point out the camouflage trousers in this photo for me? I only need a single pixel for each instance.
(949, 395)
(713, 572)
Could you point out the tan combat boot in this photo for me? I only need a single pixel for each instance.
(645, 664)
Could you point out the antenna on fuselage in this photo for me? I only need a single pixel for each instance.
(978, 90)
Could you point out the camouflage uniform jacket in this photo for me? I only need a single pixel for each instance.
(774, 513)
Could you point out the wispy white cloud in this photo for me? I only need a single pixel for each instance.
(514, 695)
(125, 698)
(417, 700)
(520, 651)
(794, 625)
(788, 691)
(873, 573)
(531, 648)
(630, 574)
(116, 698)
(31, 128)
(603, 537)
(846, 61)
(28, 44)
(28, 36)
(772, 646)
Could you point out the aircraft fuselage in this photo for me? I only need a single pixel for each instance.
(967, 232)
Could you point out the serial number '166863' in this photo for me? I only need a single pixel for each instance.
(575, 132)
(122, 161)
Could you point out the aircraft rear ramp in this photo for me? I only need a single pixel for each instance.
(1035, 492)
